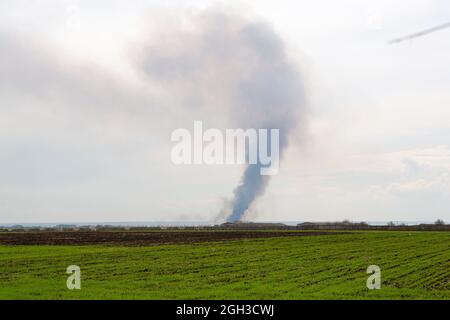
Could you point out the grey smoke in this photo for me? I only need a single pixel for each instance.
(224, 60)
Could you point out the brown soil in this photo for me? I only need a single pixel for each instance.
(139, 238)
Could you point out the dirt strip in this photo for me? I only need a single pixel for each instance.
(140, 238)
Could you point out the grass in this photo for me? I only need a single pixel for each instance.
(414, 265)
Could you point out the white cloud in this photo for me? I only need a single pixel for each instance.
(83, 136)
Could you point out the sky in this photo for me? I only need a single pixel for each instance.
(85, 127)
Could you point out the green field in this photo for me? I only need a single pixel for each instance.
(414, 265)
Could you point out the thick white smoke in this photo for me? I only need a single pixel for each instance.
(227, 61)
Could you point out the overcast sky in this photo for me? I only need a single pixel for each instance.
(85, 132)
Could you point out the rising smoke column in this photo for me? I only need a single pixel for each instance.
(222, 60)
(272, 97)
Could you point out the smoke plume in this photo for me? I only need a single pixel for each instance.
(226, 61)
